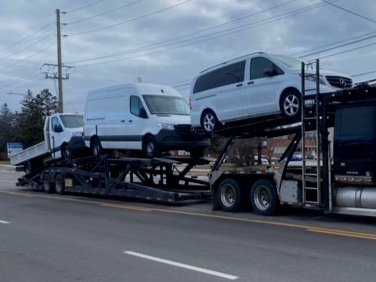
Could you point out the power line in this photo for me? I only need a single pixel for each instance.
(85, 6)
(349, 11)
(104, 13)
(172, 40)
(28, 57)
(363, 73)
(28, 46)
(303, 54)
(132, 19)
(26, 37)
(348, 50)
(338, 46)
(31, 74)
(206, 37)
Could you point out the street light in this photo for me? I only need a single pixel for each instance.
(14, 93)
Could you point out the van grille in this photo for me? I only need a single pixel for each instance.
(339, 81)
(186, 130)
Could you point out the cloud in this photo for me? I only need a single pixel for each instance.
(169, 41)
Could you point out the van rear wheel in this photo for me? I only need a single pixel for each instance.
(209, 121)
(66, 153)
(290, 103)
(96, 147)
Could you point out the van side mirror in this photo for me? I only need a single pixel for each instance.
(142, 113)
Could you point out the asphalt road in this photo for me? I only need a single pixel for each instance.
(77, 238)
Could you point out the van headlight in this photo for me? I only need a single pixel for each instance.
(167, 126)
(312, 77)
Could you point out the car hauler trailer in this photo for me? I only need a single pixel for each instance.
(159, 179)
(344, 183)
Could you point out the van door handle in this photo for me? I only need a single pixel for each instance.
(130, 120)
(240, 84)
(251, 82)
(122, 120)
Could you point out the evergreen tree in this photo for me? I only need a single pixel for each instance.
(7, 128)
(31, 120)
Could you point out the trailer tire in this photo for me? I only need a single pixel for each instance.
(47, 186)
(229, 195)
(264, 197)
(59, 184)
(27, 167)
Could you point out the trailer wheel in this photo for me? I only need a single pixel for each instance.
(59, 184)
(263, 197)
(47, 186)
(229, 195)
(27, 167)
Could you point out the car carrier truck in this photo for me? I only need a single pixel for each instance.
(62, 136)
(344, 183)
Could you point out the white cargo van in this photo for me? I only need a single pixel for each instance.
(139, 116)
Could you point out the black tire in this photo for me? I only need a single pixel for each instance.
(209, 121)
(47, 187)
(59, 184)
(27, 167)
(197, 153)
(150, 147)
(66, 153)
(290, 103)
(229, 195)
(96, 147)
(264, 197)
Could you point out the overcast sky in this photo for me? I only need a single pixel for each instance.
(170, 41)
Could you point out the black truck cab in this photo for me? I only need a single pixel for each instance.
(355, 143)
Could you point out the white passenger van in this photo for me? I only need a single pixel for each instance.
(255, 85)
(138, 116)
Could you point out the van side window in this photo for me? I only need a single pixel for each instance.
(230, 74)
(55, 124)
(136, 106)
(259, 65)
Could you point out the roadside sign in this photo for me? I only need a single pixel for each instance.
(13, 148)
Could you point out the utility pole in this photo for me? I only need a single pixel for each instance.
(49, 70)
(59, 63)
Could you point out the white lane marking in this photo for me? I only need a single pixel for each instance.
(4, 222)
(182, 265)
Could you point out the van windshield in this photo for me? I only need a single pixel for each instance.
(166, 105)
(72, 121)
(288, 61)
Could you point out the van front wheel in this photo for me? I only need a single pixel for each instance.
(150, 147)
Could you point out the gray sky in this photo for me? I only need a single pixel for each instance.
(170, 41)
